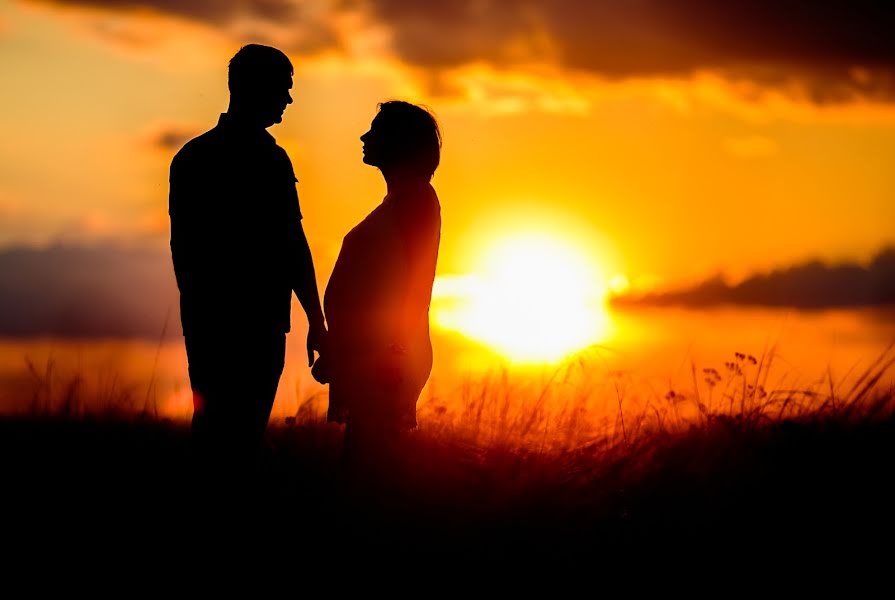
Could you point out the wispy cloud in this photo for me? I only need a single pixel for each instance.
(811, 285)
(298, 27)
(829, 53)
(169, 137)
(212, 11)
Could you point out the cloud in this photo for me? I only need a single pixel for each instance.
(830, 52)
(87, 291)
(812, 285)
(211, 11)
(305, 27)
(170, 137)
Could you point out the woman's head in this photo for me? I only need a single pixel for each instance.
(403, 137)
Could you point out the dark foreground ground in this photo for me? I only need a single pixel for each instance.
(756, 497)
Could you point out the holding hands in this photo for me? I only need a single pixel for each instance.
(316, 341)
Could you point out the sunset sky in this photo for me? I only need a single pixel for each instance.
(660, 141)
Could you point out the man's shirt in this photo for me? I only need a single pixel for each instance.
(235, 223)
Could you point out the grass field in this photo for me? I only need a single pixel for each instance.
(724, 469)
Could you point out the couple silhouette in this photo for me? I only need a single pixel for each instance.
(239, 252)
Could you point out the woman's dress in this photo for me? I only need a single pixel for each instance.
(377, 310)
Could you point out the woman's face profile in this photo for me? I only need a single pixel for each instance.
(374, 143)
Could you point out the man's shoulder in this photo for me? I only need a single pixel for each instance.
(281, 152)
(200, 147)
(283, 162)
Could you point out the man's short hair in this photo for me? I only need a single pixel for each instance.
(255, 64)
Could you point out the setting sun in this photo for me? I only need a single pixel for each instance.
(534, 299)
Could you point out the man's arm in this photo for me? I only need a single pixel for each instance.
(184, 233)
(304, 279)
(304, 284)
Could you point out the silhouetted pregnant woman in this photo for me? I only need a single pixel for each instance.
(379, 355)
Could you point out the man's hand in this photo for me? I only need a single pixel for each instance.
(316, 341)
(320, 370)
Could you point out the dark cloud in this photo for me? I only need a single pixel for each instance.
(212, 11)
(78, 291)
(306, 31)
(170, 137)
(831, 51)
(812, 285)
(836, 49)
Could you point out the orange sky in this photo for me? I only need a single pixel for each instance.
(658, 153)
(659, 140)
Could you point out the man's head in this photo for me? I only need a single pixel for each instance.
(260, 78)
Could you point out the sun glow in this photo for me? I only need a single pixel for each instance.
(535, 299)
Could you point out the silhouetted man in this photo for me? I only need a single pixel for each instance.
(239, 251)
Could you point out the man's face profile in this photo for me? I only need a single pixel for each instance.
(273, 98)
